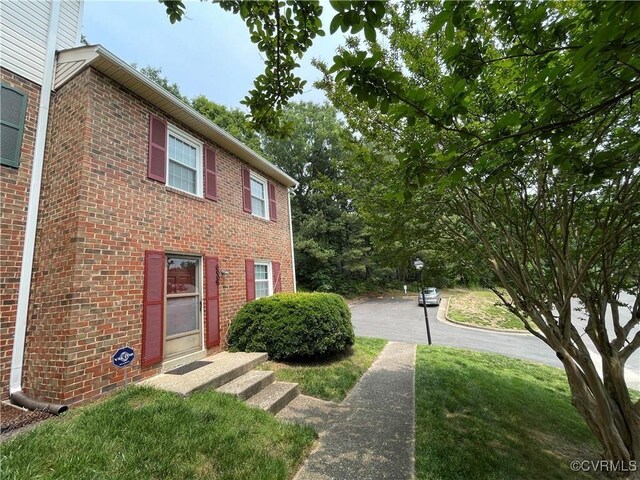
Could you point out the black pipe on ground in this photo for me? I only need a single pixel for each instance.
(22, 400)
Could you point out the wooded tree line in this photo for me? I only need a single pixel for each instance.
(509, 131)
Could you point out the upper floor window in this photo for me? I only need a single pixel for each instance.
(12, 116)
(183, 162)
(259, 197)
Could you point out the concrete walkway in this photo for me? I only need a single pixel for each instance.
(371, 434)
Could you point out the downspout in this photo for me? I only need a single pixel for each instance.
(293, 257)
(16, 394)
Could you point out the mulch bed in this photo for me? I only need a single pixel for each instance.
(12, 418)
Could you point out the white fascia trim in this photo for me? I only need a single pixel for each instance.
(26, 269)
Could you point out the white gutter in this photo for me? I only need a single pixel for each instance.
(293, 256)
(17, 356)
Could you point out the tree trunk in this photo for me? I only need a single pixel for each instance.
(608, 412)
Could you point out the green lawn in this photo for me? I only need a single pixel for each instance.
(486, 416)
(149, 434)
(332, 378)
(478, 307)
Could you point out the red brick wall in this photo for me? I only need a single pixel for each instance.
(100, 215)
(14, 191)
(55, 290)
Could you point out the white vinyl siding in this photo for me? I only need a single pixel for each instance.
(24, 27)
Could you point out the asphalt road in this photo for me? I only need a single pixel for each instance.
(401, 320)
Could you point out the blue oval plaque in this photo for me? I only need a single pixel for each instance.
(123, 357)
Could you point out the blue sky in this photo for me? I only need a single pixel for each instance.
(208, 53)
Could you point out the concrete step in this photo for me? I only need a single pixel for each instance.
(216, 370)
(248, 384)
(274, 397)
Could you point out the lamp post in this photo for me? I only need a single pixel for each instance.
(419, 264)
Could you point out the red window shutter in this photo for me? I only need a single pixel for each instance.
(157, 165)
(210, 174)
(246, 190)
(250, 274)
(273, 215)
(212, 302)
(153, 308)
(277, 281)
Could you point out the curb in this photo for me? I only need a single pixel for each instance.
(447, 321)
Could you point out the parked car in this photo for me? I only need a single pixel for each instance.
(430, 296)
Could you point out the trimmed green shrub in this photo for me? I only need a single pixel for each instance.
(293, 325)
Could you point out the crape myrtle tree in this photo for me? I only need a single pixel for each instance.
(522, 119)
(516, 124)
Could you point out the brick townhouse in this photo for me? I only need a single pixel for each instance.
(153, 227)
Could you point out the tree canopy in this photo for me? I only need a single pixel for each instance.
(332, 246)
(515, 135)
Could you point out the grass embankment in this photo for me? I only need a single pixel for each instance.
(145, 433)
(331, 378)
(485, 416)
(478, 307)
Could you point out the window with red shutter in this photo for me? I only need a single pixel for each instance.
(153, 308)
(212, 302)
(157, 165)
(250, 276)
(272, 203)
(210, 174)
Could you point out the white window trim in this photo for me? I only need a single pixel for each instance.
(265, 183)
(269, 277)
(199, 146)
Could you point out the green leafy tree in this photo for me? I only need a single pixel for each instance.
(233, 120)
(283, 31)
(331, 246)
(155, 75)
(521, 128)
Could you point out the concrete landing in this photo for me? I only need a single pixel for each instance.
(222, 368)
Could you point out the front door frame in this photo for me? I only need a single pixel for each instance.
(170, 357)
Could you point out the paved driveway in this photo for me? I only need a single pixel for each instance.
(401, 320)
